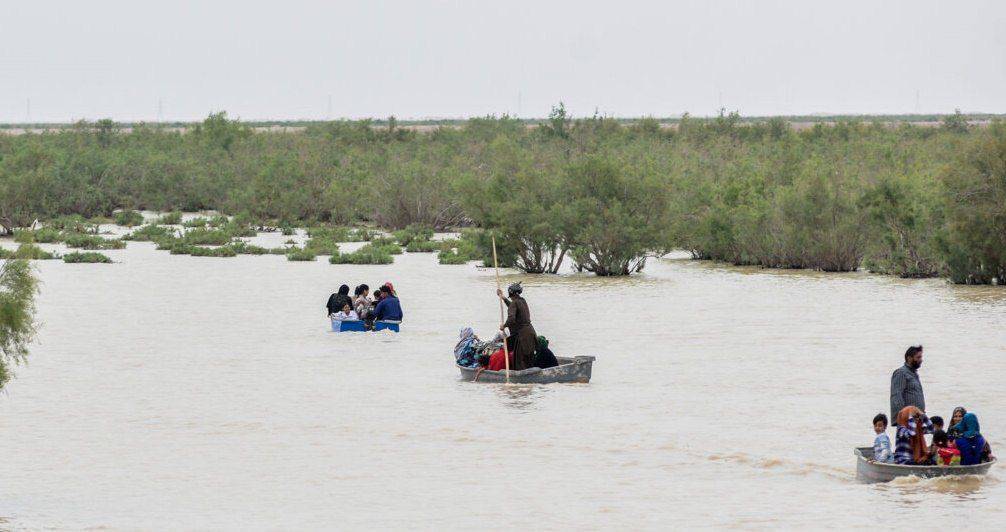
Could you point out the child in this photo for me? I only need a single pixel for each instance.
(937, 423)
(346, 314)
(946, 454)
(882, 443)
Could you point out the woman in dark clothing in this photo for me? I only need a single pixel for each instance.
(338, 300)
(543, 356)
(522, 340)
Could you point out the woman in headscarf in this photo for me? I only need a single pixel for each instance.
(973, 447)
(338, 300)
(955, 419)
(910, 444)
(464, 350)
(523, 339)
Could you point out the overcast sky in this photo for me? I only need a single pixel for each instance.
(289, 59)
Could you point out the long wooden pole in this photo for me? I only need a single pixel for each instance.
(506, 350)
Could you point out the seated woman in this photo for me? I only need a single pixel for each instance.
(973, 447)
(464, 351)
(361, 302)
(910, 444)
(346, 314)
(543, 356)
(955, 420)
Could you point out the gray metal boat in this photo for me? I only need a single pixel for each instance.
(869, 471)
(576, 369)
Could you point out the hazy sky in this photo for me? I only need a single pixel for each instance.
(289, 58)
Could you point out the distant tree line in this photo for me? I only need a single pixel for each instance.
(908, 200)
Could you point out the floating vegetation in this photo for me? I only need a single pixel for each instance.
(196, 222)
(86, 257)
(298, 254)
(222, 251)
(171, 218)
(128, 218)
(75, 240)
(365, 255)
(243, 248)
(150, 233)
(207, 237)
(422, 246)
(27, 252)
(412, 233)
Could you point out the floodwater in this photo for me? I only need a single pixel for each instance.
(176, 392)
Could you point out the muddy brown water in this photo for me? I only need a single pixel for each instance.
(176, 392)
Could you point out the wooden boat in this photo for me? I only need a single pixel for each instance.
(575, 369)
(359, 326)
(869, 471)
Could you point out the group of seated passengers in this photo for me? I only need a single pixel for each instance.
(472, 352)
(961, 444)
(383, 306)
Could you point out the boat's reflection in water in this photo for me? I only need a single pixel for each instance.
(520, 396)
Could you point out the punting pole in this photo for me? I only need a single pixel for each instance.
(506, 350)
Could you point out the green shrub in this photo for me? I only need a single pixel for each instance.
(72, 224)
(364, 255)
(170, 218)
(422, 246)
(86, 257)
(244, 248)
(207, 237)
(222, 251)
(321, 246)
(149, 233)
(301, 255)
(452, 257)
(27, 252)
(281, 251)
(92, 242)
(128, 218)
(287, 230)
(196, 222)
(42, 235)
(413, 232)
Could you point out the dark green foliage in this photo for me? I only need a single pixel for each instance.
(171, 218)
(17, 315)
(367, 254)
(303, 254)
(196, 222)
(86, 257)
(207, 237)
(745, 190)
(27, 252)
(222, 251)
(128, 218)
(149, 233)
(243, 248)
(422, 246)
(413, 233)
(74, 240)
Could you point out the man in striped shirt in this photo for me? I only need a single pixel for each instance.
(906, 388)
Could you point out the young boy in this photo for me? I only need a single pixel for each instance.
(937, 423)
(946, 454)
(882, 443)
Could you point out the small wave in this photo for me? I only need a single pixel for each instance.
(957, 484)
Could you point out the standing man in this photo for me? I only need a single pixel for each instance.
(906, 389)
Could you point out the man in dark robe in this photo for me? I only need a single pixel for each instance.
(523, 339)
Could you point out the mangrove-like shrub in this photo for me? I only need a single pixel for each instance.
(90, 257)
(18, 287)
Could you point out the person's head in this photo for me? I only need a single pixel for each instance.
(969, 426)
(879, 423)
(361, 290)
(389, 288)
(515, 289)
(346, 308)
(940, 438)
(957, 416)
(344, 289)
(378, 294)
(913, 357)
(937, 422)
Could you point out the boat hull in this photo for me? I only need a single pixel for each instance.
(869, 471)
(358, 326)
(575, 369)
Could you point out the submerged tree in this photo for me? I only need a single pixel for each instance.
(17, 314)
